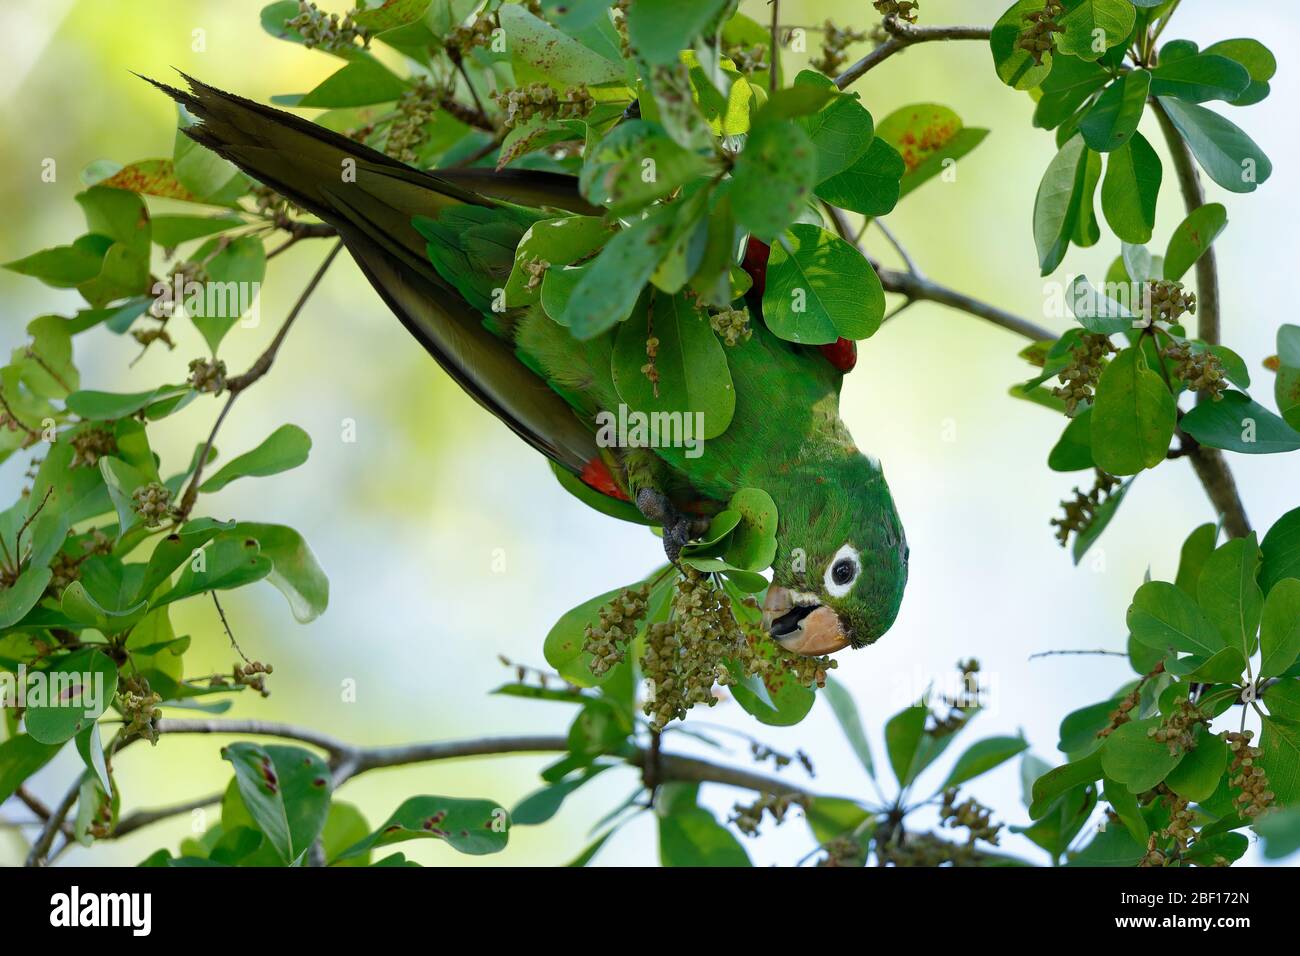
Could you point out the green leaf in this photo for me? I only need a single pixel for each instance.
(1016, 67)
(1070, 84)
(1193, 238)
(81, 686)
(107, 406)
(474, 827)
(390, 14)
(361, 83)
(1195, 552)
(20, 757)
(200, 173)
(63, 267)
(1086, 538)
(1280, 830)
(1094, 23)
(294, 570)
(226, 563)
(1229, 595)
(1095, 311)
(21, 596)
(773, 177)
(1113, 847)
(1258, 60)
(841, 131)
(283, 449)
(871, 186)
(563, 645)
(79, 605)
(234, 278)
(1286, 390)
(1197, 776)
(1080, 728)
(1133, 416)
(1281, 548)
(1125, 805)
(1204, 76)
(1134, 758)
(608, 292)
(820, 288)
(1073, 451)
(1279, 634)
(694, 383)
(1060, 780)
(1113, 119)
(692, 837)
(1227, 155)
(286, 791)
(846, 713)
(660, 29)
(559, 242)
(983, 756)
(832, 817)
(930, 138)
(1163, 617)
(903, 735)
(752, 545)
(1280, 745)
(541, 805)
(1130, 189)
(1056, 207)
(538, 50)
(1235, 423)
(636, 164)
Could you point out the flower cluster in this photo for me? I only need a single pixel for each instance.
(1178, 730)
(1087, 359)
(1038, 38)
(91, 444)
(749, 817)
(834, 42)
(325, 30)
(208, 376)
(903, 9)
(1247, 776)
(139, 707)
(152, 503)
(409, 130)
(607, 640)
(1081, 510)
(971, 815)
(732, 325)
(1201, 369)
(1166, 301)
(540, 101)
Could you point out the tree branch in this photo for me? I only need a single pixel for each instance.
(1209, 463)
(901, 36)
(238, 383)
(349, 761)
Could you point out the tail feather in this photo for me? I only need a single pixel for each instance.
(372, 207)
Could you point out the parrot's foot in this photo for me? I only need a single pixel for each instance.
(654, 504)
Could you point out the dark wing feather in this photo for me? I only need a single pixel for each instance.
(373, 214)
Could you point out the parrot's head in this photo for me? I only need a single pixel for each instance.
(841, 562)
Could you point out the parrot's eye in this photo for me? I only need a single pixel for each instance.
(842, 571)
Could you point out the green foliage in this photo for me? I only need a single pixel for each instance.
(690, 151)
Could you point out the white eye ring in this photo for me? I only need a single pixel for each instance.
(834, 588)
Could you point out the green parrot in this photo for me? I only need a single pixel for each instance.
(438, 246)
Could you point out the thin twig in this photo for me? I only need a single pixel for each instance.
(239, 383)
(776, 44)
(1209, 463)
(901, 36)
(1071, 653)
(898, 247)
(221, 613)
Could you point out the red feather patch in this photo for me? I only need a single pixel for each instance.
(595, 474)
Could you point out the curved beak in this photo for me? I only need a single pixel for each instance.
(799, 623)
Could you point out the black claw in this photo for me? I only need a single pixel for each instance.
(654, 504)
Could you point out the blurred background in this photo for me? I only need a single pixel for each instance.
(412, 520)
